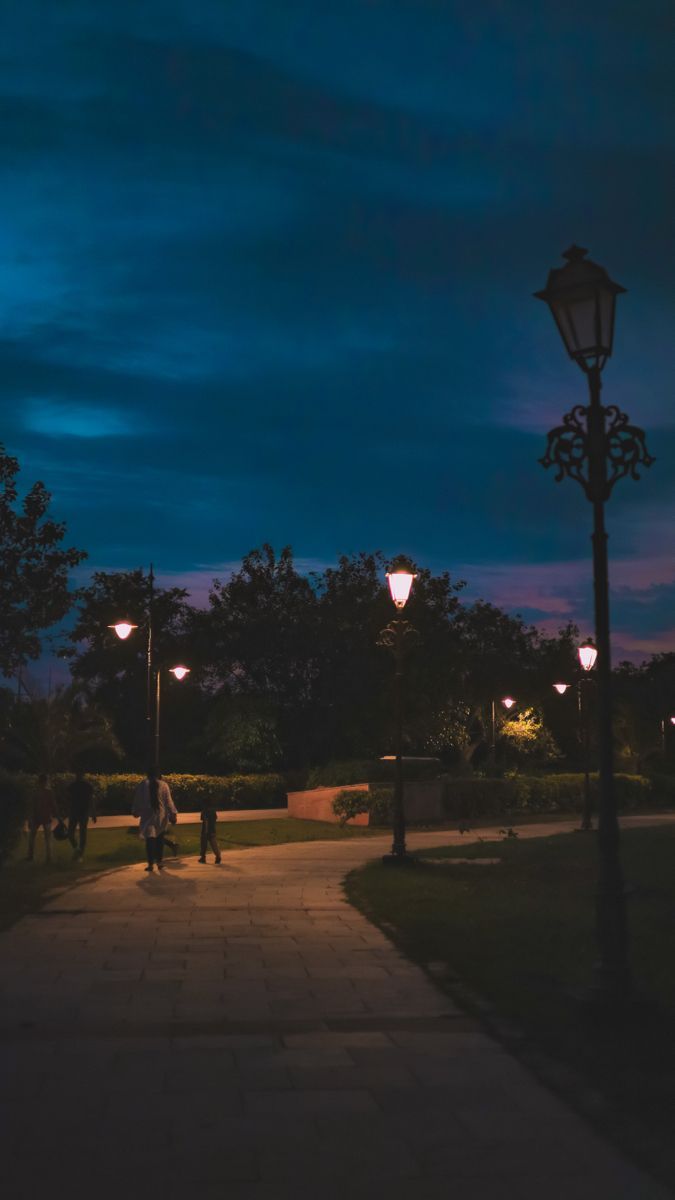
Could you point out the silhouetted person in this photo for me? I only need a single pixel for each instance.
(81, 806)
(156, 809)
(209, 817)
(172, 844)
(43, 810)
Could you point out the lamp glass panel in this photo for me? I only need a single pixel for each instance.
(123, 629)
(561, 688)
(400, 583)
(587, 657)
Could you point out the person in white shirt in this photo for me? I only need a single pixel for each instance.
(156, 809)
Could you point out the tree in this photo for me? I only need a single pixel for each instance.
(34, 576)
(57, 733)
(259, 640)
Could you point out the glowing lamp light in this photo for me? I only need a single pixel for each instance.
(672, 720)
(123, 629)
(561, 688)
(508, 702)
(400, 582)
(587, 656)
(180, 672)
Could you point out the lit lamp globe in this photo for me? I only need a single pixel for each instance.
(400, 580)
(123, 629)
(508, 702)
(672, 720)
(582, 300)
(587, 655)
(561, 688)
(180, 672)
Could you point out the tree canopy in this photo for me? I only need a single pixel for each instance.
(35, 566)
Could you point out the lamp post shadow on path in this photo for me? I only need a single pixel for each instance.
(596, 446)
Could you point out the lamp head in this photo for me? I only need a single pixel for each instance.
(400, 579)
(588, 653)
(508, 702)
(180, 672)
(582, 299)
(561, 688)
(123, 629)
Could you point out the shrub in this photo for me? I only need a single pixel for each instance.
(351, 804)
(536, 794)
(14, 794)
(115, 793)
(376, 802)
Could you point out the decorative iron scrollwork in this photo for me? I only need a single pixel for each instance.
(625, 447)
(568, 449)
(399, 637)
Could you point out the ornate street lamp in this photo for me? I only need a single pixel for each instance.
(123, 629)
(399, 636)
(596, 446)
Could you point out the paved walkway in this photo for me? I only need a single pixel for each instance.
(194, 818)
(241, 1032)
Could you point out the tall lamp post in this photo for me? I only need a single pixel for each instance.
(508, 703)
(124, 629)
(596, 446)
(399, 636)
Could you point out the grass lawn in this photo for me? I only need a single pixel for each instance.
(521, 934)
(25, 886)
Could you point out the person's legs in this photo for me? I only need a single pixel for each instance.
(159, 849)
(213, 842)
(72, 826)
(83, 832)
(150, 843)
(202, 842)
(48, 843)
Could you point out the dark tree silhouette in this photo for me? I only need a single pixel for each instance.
(34, 568)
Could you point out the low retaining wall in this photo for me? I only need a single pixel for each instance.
(422, 802)
(317, 804)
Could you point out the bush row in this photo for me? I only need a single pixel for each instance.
(115, 793)
(476, 797)
(536, 794)
(366, 770)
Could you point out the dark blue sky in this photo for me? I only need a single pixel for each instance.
(268, 273)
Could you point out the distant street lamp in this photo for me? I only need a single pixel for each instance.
(596, 446)
(508, 703)
(587, 658)
(664, 734)
(587, 655)
(123, 629)
(399, 637)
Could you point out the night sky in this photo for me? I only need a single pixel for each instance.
(267, 275)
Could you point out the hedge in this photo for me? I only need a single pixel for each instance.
(115, 793)
(477, 797)
(367, 770)
(536, 794)
(14, 793)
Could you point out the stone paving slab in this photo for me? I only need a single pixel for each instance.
(244, 1033)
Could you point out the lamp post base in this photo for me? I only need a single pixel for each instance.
(398, 860)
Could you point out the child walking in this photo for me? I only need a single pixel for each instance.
(209, 817)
